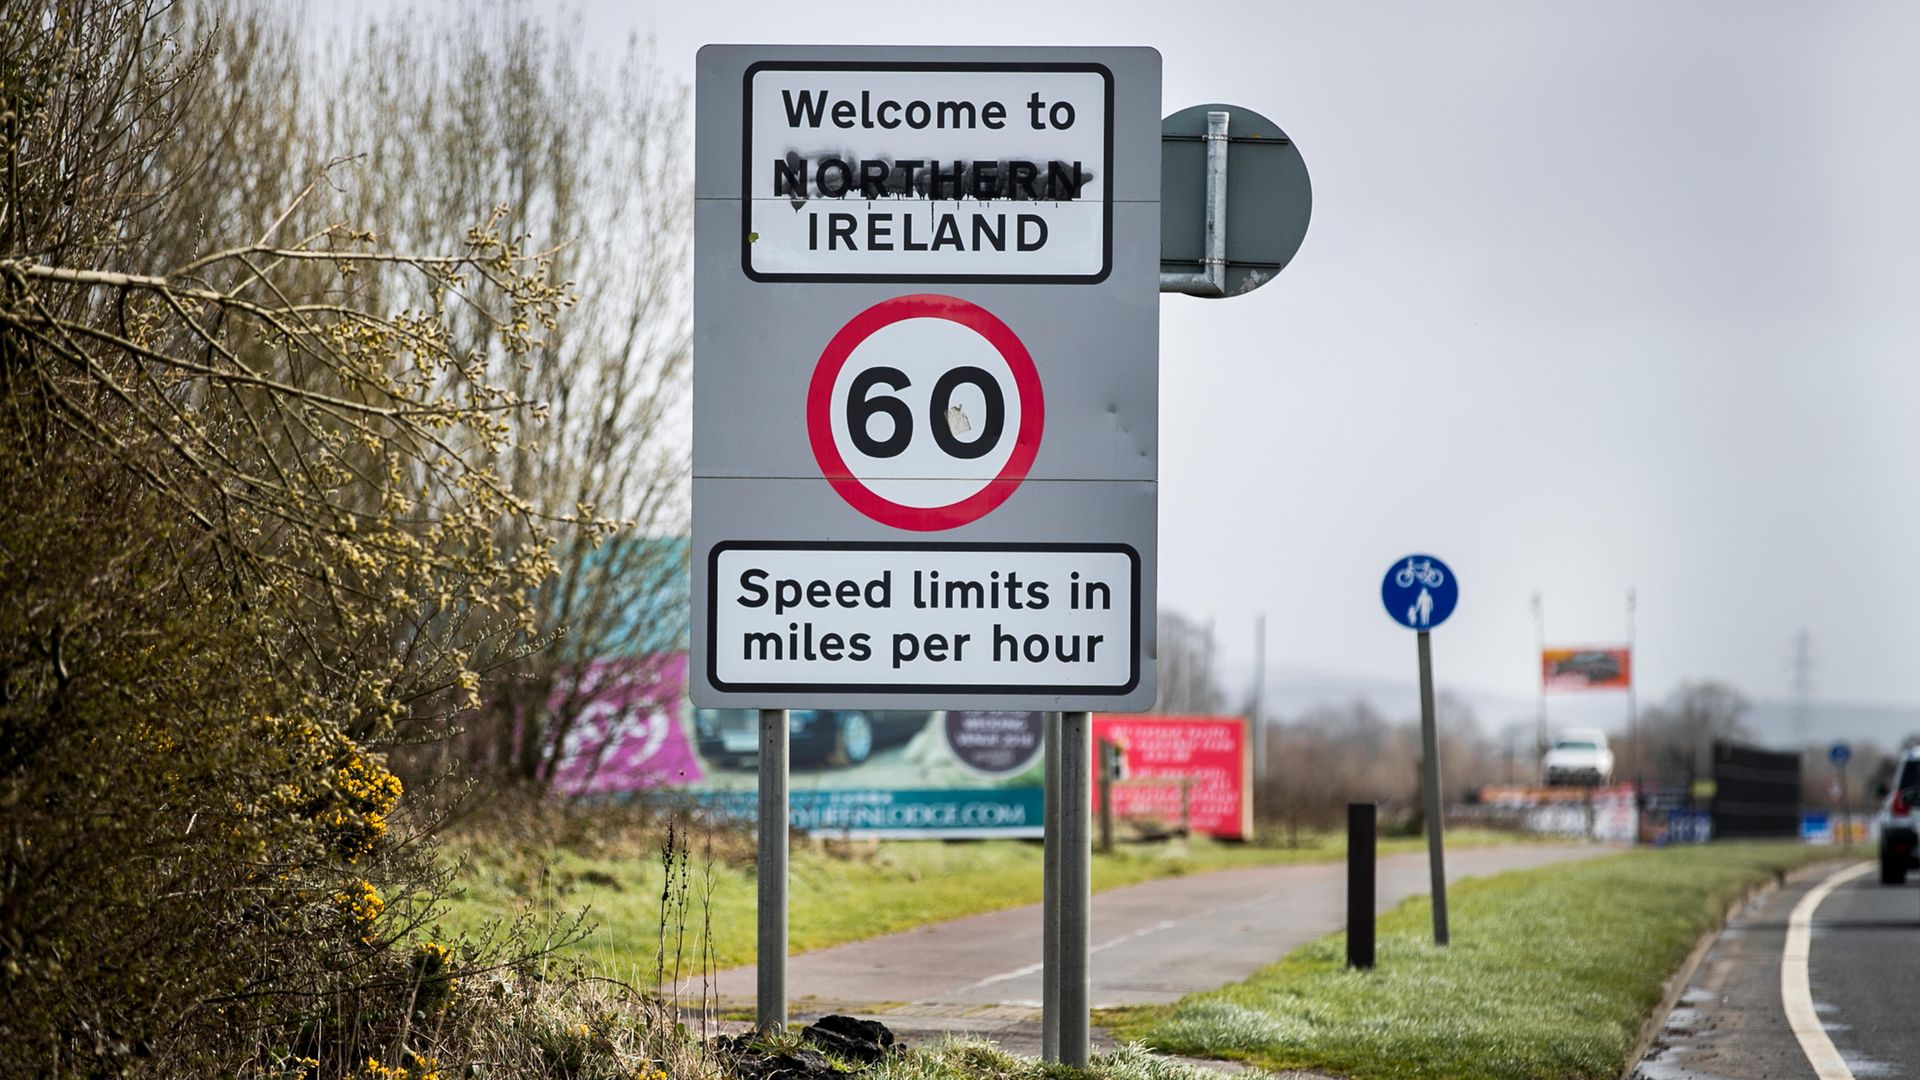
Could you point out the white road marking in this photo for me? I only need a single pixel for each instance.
(1165, 924)
(1795, 992)
(1002, 977)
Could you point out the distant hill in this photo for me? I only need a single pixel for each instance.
(1886, 725)
(1291, 693)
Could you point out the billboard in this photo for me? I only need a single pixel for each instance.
(937, 774)
(929, 773)
(1603, 668)
(1210, 752)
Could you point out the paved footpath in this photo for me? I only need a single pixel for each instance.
(1151, 943)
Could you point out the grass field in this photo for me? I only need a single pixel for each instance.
(1550, 974)
(839, 892)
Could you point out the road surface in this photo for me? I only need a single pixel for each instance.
(1863, 974)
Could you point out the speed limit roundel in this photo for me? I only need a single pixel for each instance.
(925, 412)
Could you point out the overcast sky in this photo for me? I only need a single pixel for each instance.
(1596, 297)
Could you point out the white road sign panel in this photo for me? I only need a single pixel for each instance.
(923, 618)
(895, 171)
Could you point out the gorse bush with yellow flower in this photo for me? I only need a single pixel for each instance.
(259, 539)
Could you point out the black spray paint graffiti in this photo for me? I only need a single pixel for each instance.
(833, 175)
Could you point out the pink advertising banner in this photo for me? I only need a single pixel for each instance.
(628, 736)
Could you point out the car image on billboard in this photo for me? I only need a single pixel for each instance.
(1586, 669)
(819, 738)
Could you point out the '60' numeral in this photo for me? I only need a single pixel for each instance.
(862, 407)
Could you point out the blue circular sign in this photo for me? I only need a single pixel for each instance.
(1841, 753)
(1419, 592)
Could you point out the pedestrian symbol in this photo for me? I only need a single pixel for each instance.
(1419, 592)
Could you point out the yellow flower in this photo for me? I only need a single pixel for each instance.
(434, 981)
(373, 1070)
(361, 903)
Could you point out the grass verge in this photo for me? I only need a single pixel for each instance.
(839, 892)
(979, 1059)
(1551, 973)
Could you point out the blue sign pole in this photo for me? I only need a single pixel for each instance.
(1419, 593)
(1840, 755)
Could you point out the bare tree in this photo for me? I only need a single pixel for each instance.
(1678, 734)
(1184, 667)
(299, 391)
(1328, 757)
(450, 113)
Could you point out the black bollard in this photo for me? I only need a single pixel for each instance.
(1360, 854)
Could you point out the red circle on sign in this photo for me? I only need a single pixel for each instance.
(1026, 444)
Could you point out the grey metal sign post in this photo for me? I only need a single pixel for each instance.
(1430, 788)
(1073, 840)
(925, 382)
(770, 997)
(1050, 899)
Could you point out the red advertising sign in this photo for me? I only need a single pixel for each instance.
(1606, 668)
(1210, 752)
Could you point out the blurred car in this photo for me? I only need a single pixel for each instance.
(1579, 756)
(816, 738)
(1895, 822)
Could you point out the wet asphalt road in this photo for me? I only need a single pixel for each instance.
(1864, 976)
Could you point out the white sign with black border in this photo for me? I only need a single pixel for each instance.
(928, 172)
(925, 618)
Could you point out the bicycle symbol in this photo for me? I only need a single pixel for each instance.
(1423, 572)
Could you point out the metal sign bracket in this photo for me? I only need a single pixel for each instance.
(1212, 278)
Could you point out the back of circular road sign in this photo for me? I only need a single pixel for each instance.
(1419, 592)
(1269, 198)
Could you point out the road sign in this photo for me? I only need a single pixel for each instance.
(1419, 592)
(962, 410)
(1840, 754)
(925, 377)
(1269, 198)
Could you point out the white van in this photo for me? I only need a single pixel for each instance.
(1580, 756)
